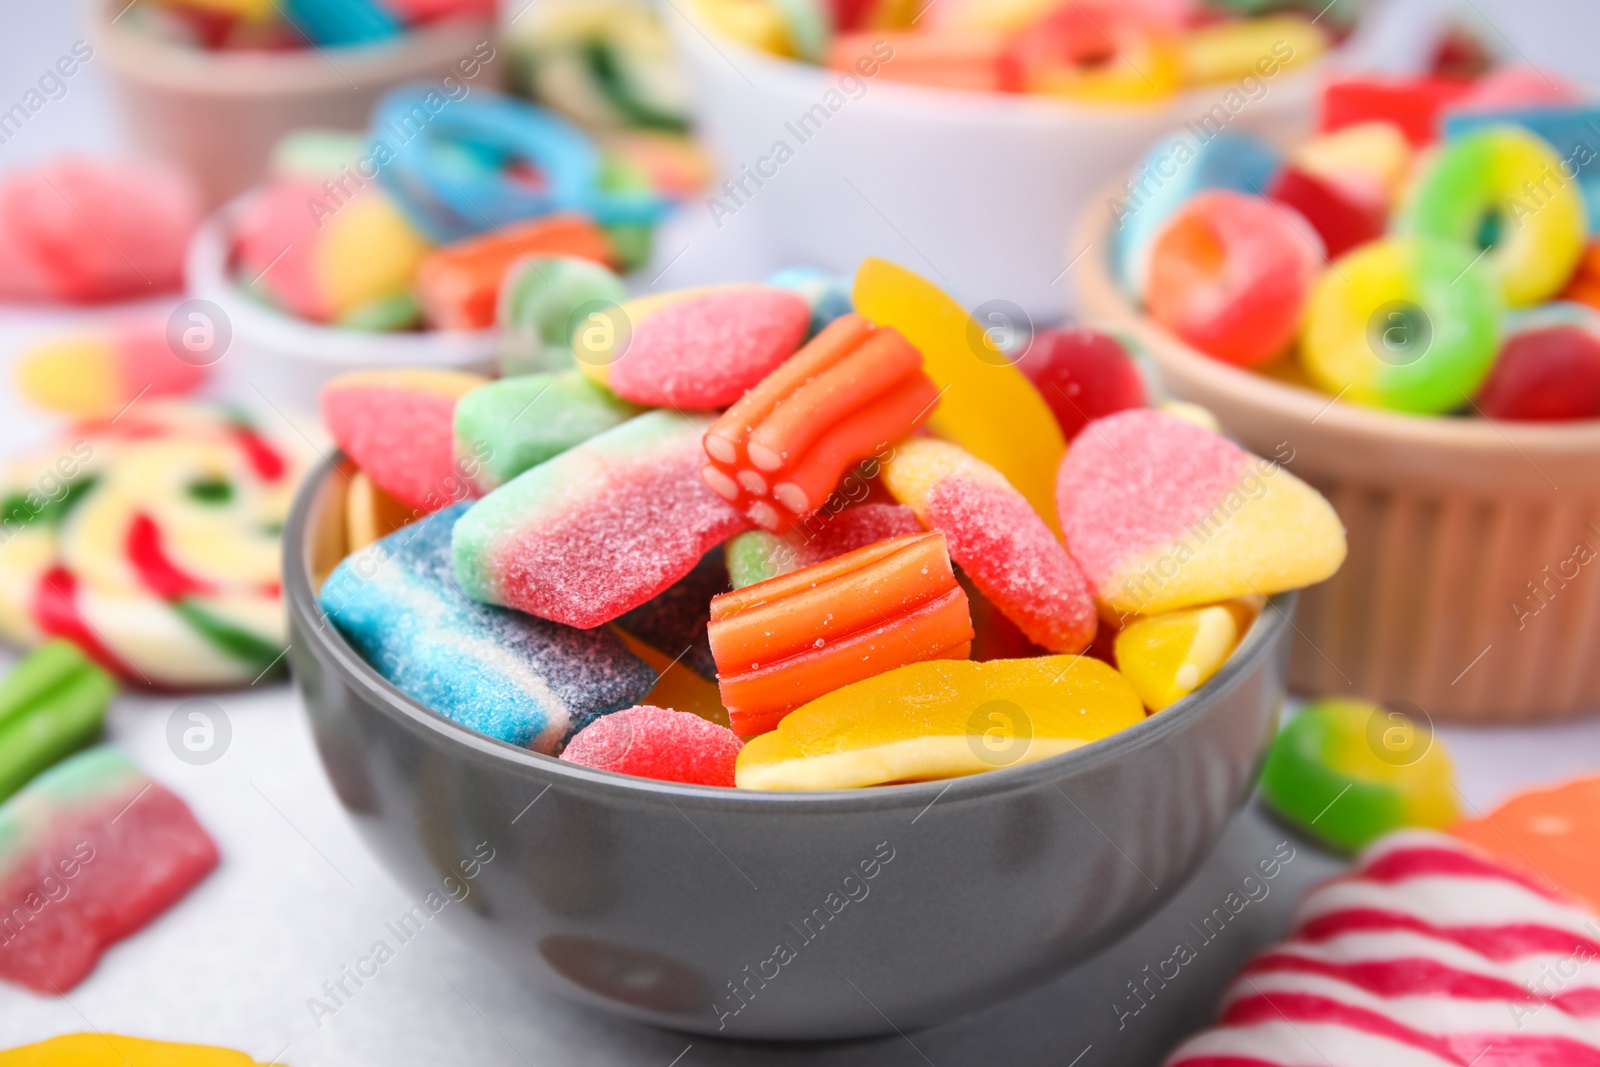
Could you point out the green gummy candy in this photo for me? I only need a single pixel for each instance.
(315, 153)
(52, 704)
(756, 556)
(539, 302)
(511, 425)
(389, 314)
(632, 242)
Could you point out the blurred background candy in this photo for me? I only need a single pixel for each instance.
(96, 373)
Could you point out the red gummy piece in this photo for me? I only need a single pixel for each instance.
(133, 855)
(1340, 218)
(650, 742)
(1083, 375)
(1546, 374)
(779, 452)
(1413, 104)
(822, 537)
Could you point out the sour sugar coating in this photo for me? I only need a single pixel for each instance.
(851, 393)
(96, 375)
(787, 641)
(997, 539)
(505, 427)
(675, 621)
(1083, 375)
(758, 555)
(77, 827)
(670, 746)
(1162, 514)
(694, 349)
(101, 1049)
(518, 679)
(941, 719)
(51, 704)
(398, 426)
(601, 528)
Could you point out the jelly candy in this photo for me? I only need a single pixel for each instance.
(941, 719)
(828, 295)
(758, 555)
(1584, 287)
(539, 304)
(1403, 323)
(599, 529)
(1550, 834)
(1511, 179)
(1168, 656)
(783, 642)
(1545, 370)
(505, 427)
(778, 453)
(1427, 953)
(100, 1049)
(398, 427)
(997, 539)
(1083, 375)
(757, 23)
(1161, 514)
(993, 635)
(1415, 105)
(81, 230)
(370, 513)
(521, 680)
(1568, 129)
(342, 23)
(96, 375)
(1348, 772)
(986, 405)
(1241, 48)
(678, 687)
(1369, 161)
(1109, 56)
(1342, 217)
(874, 14)
(675, 620)
(1230, 275)
(944, 58)
(51, 704)
(670, 746)
(996, 16)
(696, 348)
(92, 850)
(459, 284)
(1194, 413)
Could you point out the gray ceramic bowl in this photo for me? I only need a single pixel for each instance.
(775, 915)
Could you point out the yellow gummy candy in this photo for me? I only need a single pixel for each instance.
(1227, 51)
(1424, 785)
(677, 687)
(370, 252)
(756, 23)
(74, 376)
(941, 719)
(113, 1050)
(1166, 657)
(985, 404)
(1377, 152)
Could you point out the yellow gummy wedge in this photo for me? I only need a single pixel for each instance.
(370, 252)
(1166, 657)
(941, 719)
(985, 404)
(113, 1050)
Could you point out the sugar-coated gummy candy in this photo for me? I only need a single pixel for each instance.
(1548, 834)
(371, 514)
(82, 230)
(789, 640)
(122, 863)
(758, 555)
(1162, 514)
(1404, 323)
(1385, 770)
(95, 374)
(1083, 375)
(675, 619)
(101, 1049)
(398, 426)
(1065, 53)
(1230, 273)
(1548, 367)
(779, 453)
(997, 539)
(1415, 105)
(459, 284)
(541, 301)
(507, 426)
(1513, 178)
(1168, 656)
(1342, 214)
(694, 348)
(993, 635)
(51, 704)
(522, 680)
(985, 405)
(647, 742)
(941, 719)
(828, 295)
(599, 529)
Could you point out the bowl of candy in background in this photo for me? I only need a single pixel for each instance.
(970, 141)
(1411, 306)
(709, 818)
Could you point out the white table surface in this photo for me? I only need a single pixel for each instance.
(297, 895)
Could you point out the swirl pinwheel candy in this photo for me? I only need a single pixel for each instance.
(778, 453)
(101, 1049)
(787, 641)
(1162, 514)
(90, 851)
(941, 719)
(96, 374)
(599, 529)
(669, 746)
(997, 539)
(51, 704)
(505, 427)
(759, 555)
(522, 680)
(1168, 656)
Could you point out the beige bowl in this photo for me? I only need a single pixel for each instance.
(218, 114)
(1473, 584)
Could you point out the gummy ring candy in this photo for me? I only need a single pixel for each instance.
(1109, 57)
(1405, 323)
(1506, 184)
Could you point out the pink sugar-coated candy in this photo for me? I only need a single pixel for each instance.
(399, 427)
(647, 742)
(1230, 274)
(1083, 375)
(81, 230)
(703, 352)
(997, 539)
(1551, 373)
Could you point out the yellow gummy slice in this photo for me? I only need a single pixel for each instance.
(677, 687)
(985, 404)
(1166, 657)
(1425, 784)
(941, 719)
(370, 513)
(75, 376)
(369, 252)
(113, 1050)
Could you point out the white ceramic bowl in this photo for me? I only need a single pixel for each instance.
(977, 190)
